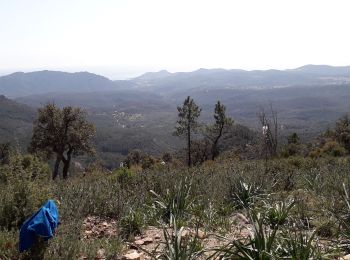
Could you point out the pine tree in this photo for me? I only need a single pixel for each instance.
(187, 123)
(218, 129)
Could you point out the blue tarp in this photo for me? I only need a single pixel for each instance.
(43, 223)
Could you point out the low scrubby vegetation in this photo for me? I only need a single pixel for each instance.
(296, 207)
(287, 201)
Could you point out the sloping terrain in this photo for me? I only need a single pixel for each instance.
(16, 121)
(23, 84)
(141, 113)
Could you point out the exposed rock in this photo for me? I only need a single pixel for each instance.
(185, 233)
(147, 240)
(194, 233)
(88, 232)
(139, 242)
(346, 257)
(200, 234)
(101, 254)
(82, 257)
(95, 227)
(241, 219)
(133, 255)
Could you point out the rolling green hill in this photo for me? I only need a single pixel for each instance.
(15, 121)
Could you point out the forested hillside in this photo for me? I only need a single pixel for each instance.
(16, 121)
(140, 113)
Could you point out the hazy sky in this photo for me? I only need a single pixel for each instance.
(118, 37)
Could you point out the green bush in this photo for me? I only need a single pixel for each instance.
(334, 149)
(132, 223)
(329, 148)
(26, 186)
(124, 175)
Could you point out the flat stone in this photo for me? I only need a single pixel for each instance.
(133, 256)
(199, 234)
(185, 233)
(139, 242)
(147, 240)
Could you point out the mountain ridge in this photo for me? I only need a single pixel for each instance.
(21, 84)
(39, 82)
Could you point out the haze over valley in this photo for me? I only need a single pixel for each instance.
(141, 112)
(174, 129)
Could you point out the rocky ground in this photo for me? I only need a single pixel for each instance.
(152, 240)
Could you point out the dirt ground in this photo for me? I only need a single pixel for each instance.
(152, 241)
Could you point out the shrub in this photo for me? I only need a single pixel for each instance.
(326, 229)
(329, 148)
(25, 188)
(134, 157)
(333, 148)
(167, 157)
(147, 162)
(132, 223)
(125, 175)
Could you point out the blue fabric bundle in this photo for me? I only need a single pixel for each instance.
(43, 223)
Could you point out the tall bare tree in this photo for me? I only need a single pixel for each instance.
(187, 123)
(270, 130)
(62, 132)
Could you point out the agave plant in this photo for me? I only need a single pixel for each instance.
(245, 194)
(278, 213)
(300, 246)
(344, 220)
(178, 246)
(260, 245)
(263, 241)
(176, 202)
